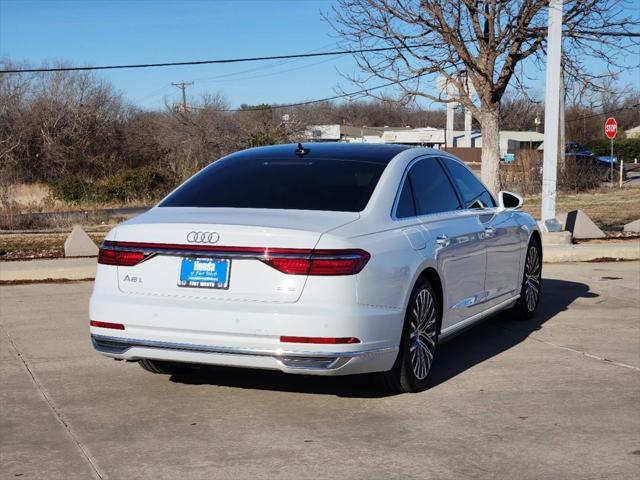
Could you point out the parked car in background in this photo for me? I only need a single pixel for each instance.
(322, 259)
(574, 148)
(586, 160)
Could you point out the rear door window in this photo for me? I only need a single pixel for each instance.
(474, 195)
(432, 189)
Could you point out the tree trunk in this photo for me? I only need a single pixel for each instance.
(490, 128)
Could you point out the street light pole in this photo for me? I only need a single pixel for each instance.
(552, 106)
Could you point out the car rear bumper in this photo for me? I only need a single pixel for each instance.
(248, 334)
(301, 362)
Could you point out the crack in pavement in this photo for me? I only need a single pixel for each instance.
(97, 472)
(574, 350)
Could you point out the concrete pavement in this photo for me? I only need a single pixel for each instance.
(556, 397)
(51, 269)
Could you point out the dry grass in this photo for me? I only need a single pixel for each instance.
(21, 205)
(29, 244)
(37, 197)
(609, 209)
(28, 194)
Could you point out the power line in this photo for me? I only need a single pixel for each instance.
(377, 87)
(310, 102)
(630, 107)
(270, 66)
(270, 74)
(596, 33)
(207, 62)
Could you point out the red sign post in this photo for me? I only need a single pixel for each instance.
(611, 130)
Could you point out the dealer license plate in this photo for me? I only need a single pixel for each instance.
(204, 273)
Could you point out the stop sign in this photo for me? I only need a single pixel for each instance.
(611, 128)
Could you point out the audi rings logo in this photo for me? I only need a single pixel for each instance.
(203, 237)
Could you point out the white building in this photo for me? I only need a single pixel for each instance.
(510, 140)
(633, 132)
(343, 133)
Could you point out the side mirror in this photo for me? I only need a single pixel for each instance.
(509, 201)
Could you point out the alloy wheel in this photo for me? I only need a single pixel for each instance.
(422, 339)
(532, 278)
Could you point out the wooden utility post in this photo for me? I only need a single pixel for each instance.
(183, 86)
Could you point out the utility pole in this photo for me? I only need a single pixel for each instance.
(451, 112)
(183, 86)
(562, 141)
(551, 113)
(467, 127)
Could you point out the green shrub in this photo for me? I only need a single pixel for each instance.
(71, 189)
(142, 184)
(626, 149)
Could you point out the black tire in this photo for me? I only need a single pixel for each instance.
(418, 344)
(527, 305)
(161, 368)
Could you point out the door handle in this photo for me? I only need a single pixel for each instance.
(442, 240)
(489, 232)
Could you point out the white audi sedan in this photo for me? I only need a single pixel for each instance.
(323, 259)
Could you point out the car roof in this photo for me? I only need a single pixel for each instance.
(378, 153)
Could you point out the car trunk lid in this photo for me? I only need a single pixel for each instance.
(182, 243)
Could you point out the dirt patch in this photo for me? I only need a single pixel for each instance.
(609, 209)
(617, 236)
(609, 259)
(41, 244)
(46, 280)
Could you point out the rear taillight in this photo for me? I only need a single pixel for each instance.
(290, 266)
(107, 256)
(319, 262)
(346, 262)
(114, 326)
(292, 261)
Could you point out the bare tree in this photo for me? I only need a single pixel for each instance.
(58, 123)
(372, 112)
(518, 112)
(475, 43)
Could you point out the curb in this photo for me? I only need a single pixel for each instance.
(54, 269)
(588, 253)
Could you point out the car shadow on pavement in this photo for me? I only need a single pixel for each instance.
(502, 331)
(454, 357)
(352, 386)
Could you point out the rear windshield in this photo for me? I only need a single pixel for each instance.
(294, 184)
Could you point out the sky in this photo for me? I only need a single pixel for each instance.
(97, 32)
(134, 31)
